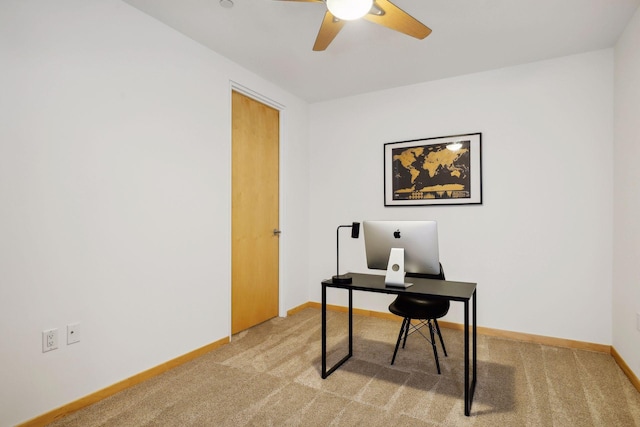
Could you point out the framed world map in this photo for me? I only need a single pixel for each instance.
(446, 170)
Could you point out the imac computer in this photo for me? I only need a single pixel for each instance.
(418, 239)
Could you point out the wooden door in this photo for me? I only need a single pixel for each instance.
(255, 202)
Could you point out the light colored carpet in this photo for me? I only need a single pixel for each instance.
(270, 376)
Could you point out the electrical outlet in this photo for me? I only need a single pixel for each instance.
(638, 321)
(49, 340)
(73, 333)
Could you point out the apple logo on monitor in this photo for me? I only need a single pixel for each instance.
(396, 234)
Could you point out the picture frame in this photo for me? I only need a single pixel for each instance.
(445, 170)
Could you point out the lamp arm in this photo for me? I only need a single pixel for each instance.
(354, 234)
(338, 248)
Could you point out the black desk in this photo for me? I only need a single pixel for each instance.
(454, 291)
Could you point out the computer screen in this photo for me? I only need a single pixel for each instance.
(419, 239)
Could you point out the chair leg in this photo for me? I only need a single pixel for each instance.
(433, 344)
(440, 335)
(398, 341)
(406, 331)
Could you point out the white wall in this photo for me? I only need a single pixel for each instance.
(114, 194)
(115, 197)
(626, 284)
(540, 245)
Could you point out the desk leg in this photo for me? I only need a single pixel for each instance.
(469, 389)
(467, 401)
(475, 349)
(350, 323)
(324, 331)
(326, 372)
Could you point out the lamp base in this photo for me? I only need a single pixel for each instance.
(342, 278)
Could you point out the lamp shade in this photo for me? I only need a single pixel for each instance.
(349, 9)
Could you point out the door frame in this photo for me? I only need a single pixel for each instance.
(244, 90)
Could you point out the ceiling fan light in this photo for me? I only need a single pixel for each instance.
(348, 10)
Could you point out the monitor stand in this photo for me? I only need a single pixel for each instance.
(395, 269)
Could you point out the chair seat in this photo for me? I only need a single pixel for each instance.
(419, 308)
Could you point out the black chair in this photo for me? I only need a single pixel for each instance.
(425, 310)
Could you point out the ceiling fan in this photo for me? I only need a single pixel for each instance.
(381, 12)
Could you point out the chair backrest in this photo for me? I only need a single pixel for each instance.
(429, 276)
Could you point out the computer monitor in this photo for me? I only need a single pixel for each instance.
(419, 239)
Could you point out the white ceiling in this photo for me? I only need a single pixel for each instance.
(274, 39)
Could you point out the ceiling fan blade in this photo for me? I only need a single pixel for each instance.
(328, 31)
(391, 16)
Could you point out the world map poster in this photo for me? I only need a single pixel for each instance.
(434, 171)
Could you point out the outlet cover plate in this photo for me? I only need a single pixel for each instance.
(73, 333)
(49, 340)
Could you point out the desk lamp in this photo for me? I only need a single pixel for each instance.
(355, 232)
